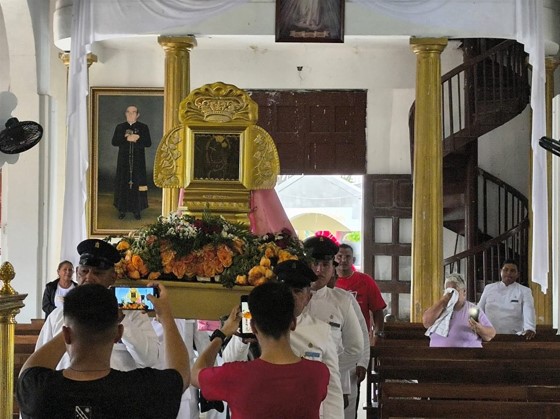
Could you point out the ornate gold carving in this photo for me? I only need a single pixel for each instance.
(217, 152)
(7, 273)
(218, 103)
(265, 161)
(168, 159)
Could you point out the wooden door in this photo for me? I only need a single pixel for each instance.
(387, 238)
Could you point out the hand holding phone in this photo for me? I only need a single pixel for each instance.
(245, 330)
(473, 313)
(135, 297)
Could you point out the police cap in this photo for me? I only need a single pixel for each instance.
(320, 247)
(98, 253)
(295, 274)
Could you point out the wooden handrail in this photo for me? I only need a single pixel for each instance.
(509, 236)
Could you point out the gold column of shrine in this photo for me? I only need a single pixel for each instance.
(543, 302)
(176, 87)
(427, 201)
(10, 304)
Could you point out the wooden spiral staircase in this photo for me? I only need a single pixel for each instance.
(489, 89)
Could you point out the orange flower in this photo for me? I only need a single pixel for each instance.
(123, 245)
(179, 268)
(284, 255)
(270, 251)
(153, 276)
(265, 262)
(241, 280)
(225, 255)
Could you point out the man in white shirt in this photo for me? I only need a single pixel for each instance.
(509, 305)
(339, 309)
(139, 346)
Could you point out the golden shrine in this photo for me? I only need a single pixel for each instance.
(217, 155)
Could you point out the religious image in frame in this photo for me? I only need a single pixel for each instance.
(309, 20)
(216, 156)
(126, 128)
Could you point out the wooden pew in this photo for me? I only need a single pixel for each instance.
(25, 338)
(470, 400)
(404, 355)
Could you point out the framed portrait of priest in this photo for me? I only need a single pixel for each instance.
(309, 20)
(126, 126)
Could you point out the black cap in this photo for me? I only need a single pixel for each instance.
(294, 273)
(320, 247)
(98, 253)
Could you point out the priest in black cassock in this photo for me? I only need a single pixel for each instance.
(131, 188)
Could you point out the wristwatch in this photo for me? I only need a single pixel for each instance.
(218, 334)
(380, 333)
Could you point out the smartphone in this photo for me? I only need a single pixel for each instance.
(245, 330)
(473, 313)
(135, 297)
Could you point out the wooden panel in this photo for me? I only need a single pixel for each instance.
(317, 132)
(387, 196)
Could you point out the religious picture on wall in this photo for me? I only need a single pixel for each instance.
(216, 156)
(127, 126)
(309, 20)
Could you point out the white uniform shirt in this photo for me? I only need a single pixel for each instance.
(510, 308)
(336, 307)
(60, 294)
(311, 340)
(139, 347)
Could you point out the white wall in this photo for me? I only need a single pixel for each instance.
(386, 69)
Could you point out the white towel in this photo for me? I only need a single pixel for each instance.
(441, 325)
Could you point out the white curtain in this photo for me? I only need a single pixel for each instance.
(95, 20)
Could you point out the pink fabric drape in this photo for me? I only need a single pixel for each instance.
(267, 213)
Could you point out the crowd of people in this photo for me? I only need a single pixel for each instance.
(309, 351)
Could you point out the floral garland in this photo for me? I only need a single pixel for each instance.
(184, 248)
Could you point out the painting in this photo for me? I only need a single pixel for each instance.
(309, 20)
(126, 128)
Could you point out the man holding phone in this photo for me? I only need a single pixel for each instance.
(311, 338)
(89, 387)
(293, 387)
(139, 346)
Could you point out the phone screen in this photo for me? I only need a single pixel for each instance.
(245, 317)
(135, 298)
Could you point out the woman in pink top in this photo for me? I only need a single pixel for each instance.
(455, 322)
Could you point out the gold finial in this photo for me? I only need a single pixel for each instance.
(6, 275)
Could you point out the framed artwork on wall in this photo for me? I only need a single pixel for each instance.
(309, 20)
(126, 128)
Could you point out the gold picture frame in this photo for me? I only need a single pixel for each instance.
(107, 110)
(310, 21)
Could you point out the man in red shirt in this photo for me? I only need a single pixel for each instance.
(369, 298)
(279, 384)
(362, 286)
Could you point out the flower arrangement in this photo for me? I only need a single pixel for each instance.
(184, 248)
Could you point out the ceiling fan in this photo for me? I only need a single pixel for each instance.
(19, 136)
